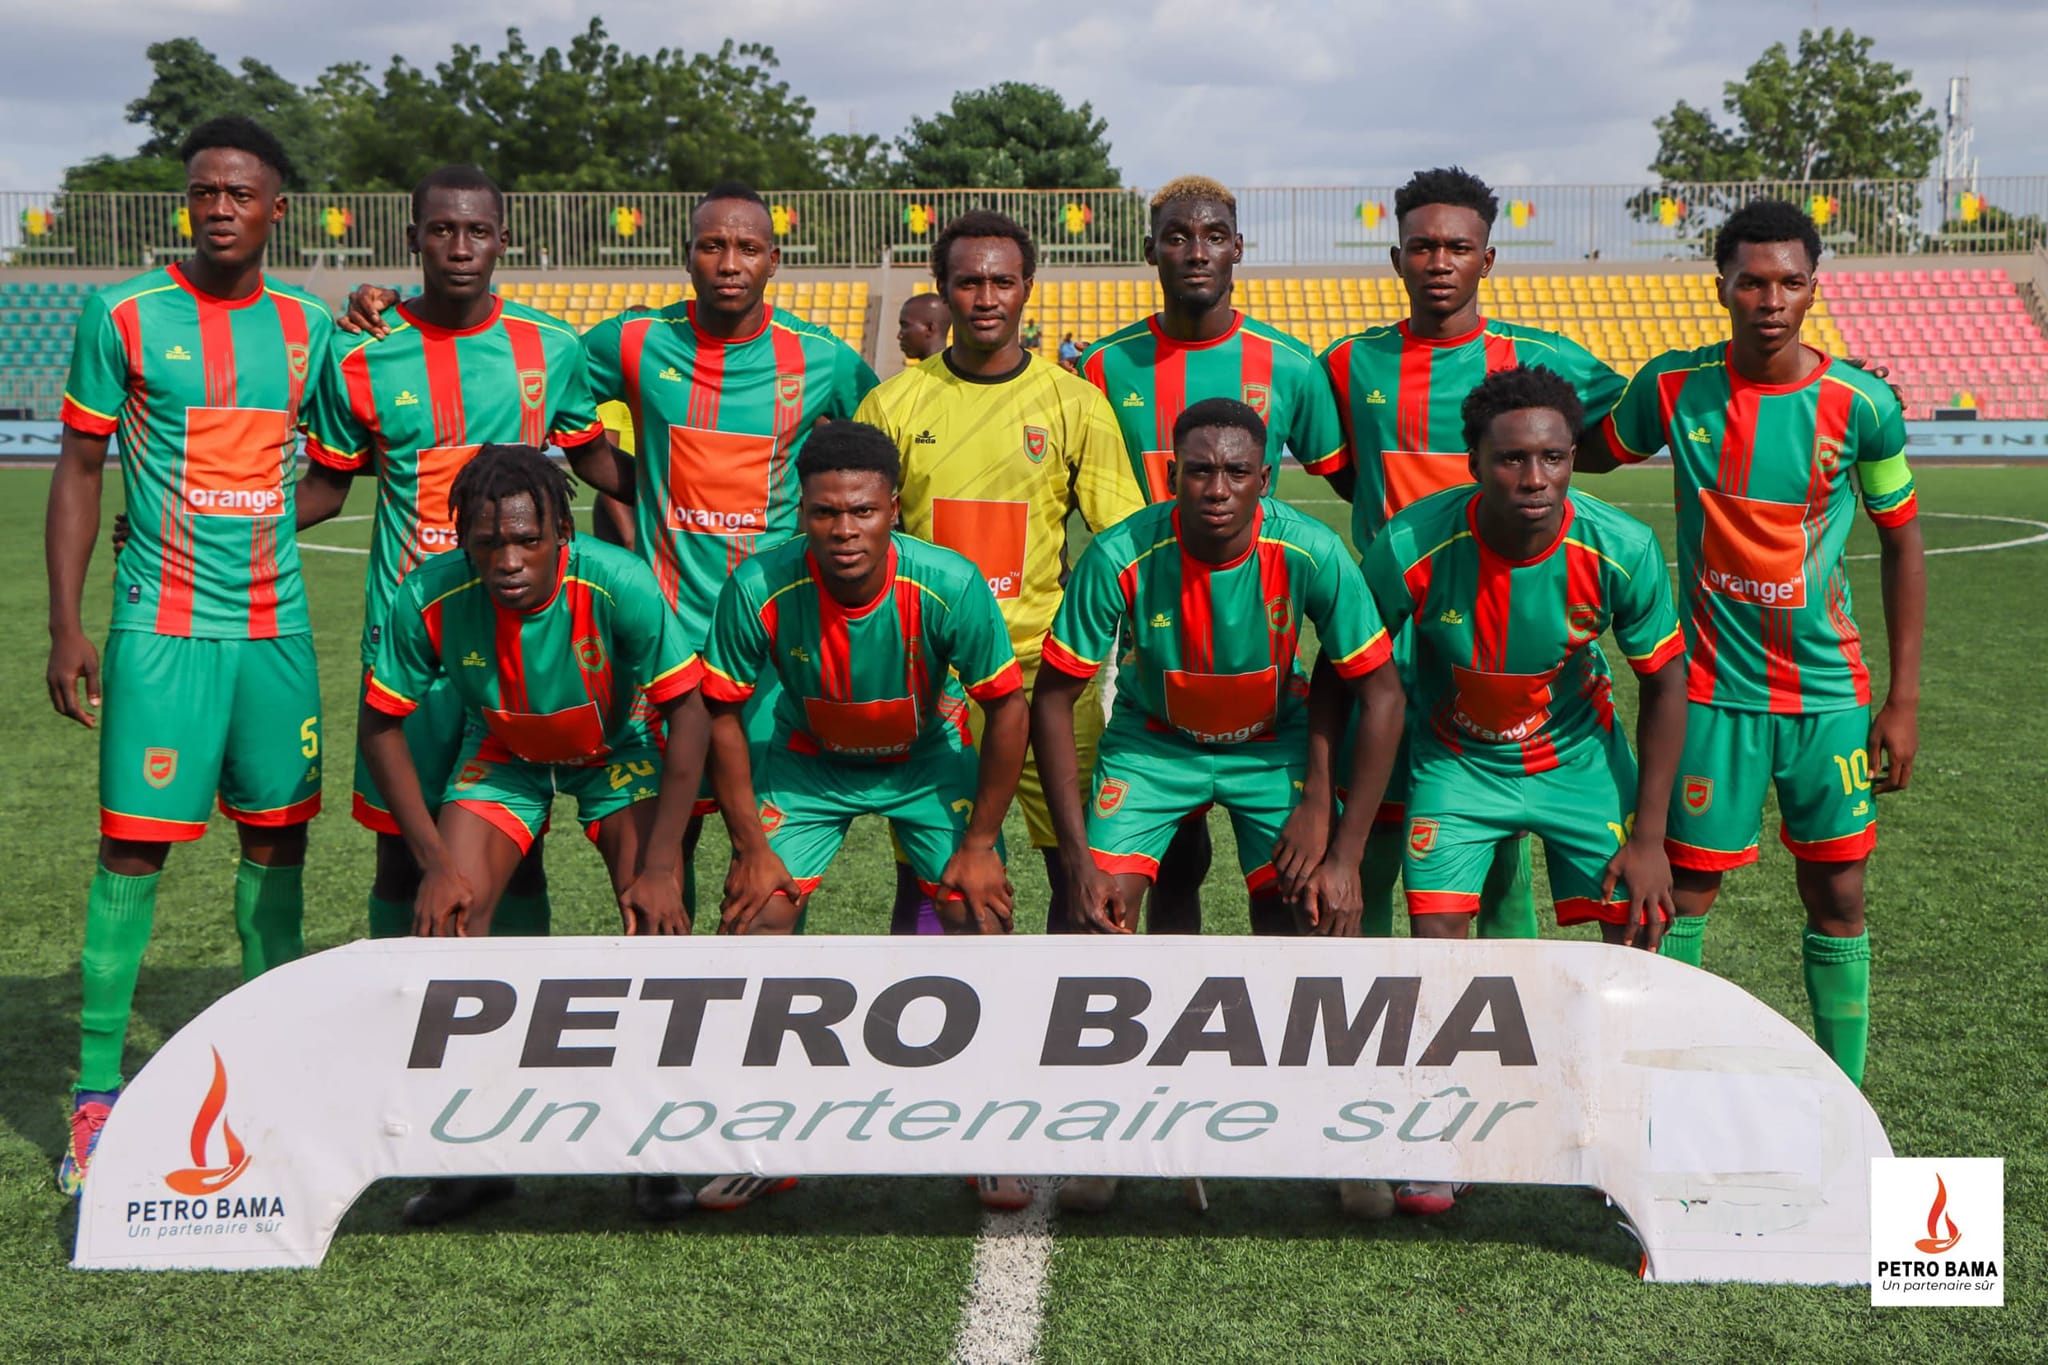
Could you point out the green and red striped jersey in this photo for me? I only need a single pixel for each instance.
(1216, 647)
(868, 683)
(207, 396)
(568, 682)
(1401, 397)
(1149, 378)
(717, 429)
(1763, 477)
(1506, 670)
(422, 402)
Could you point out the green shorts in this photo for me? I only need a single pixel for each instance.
(807, 801)
(1818, 763)
(514, 795)
(758, 715)
(1401, 779)
(433, 736)
(1459, 812)
(187, 720)
(1148, 781)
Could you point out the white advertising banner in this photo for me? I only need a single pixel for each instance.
(1735, 1148)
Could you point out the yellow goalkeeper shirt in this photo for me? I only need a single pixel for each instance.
(993, 467)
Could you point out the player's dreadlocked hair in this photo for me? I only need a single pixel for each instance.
(1766, 220)
(505, 471)
(1452, 185)
(1525, 386)
(234, 132)
(849, 445)
(981, 223)
(456, 177)
(1184, 189)
(1220, 412)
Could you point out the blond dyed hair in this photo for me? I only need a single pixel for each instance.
(1185, 187)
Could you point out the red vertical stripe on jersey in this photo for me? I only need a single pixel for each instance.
(174, 588)
(508, 627)
(1500, 353)
(910, 620)
(707, 379)
(1169, 389)
(1274, 585)
(529, 355)
(217, 351)
(597, 682)
(1411, 399)
(1490, 608)
(1255, 370)
(1738, 442)
(790, 365)
(444, 388)
(362, 397)
(1417, 577)
(1339, 370)
(1127, 579)
(1582, 589)
(632, 343)
(1197, 616)
(431, 618)
(1669, 386)
(263, 573)
(1092, 371)
(291, 320)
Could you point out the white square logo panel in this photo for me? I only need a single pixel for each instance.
(1937, 1231)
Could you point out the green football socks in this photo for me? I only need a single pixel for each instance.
(1838, 988)
(1377, 875)
(270, 908)
(1683, 939)
(1507, 902)
(118, 915)
(522, 917)
(389, 919)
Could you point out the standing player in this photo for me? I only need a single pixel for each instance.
(1210, 592)
(999, 449)
(1509, 586)
(551, 645)
(1770, 442)
(864, 628)
(205, 369)
(1399, 391)
(921, 327)
(1197, 346)
(458, 369)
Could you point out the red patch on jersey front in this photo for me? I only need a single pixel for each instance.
(1501, 708)
(868, 729)
(234, 461)
(1753, 551)
(1222, 708)
(1413, 475)
(434, 525)
(1158, 488)
(571, 735)
(992, 534)
(718, 481)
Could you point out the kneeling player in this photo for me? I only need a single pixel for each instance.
(556, 646)
(1509, 586)
(1211, 590)
(862, 627)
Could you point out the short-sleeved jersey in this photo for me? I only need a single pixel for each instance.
(207, 396)
(993, 467)
(1216, 647)
(416, 406)
(718, 426)
(868, 683)
(1506, 670)
(1762, 478)
(1149, 378)
(1401, 398)
(568, 682)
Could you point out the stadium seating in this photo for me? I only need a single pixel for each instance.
(1952, 338)
(37, 319)
(841, 305)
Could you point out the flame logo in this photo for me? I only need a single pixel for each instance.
(199, 1178)
(1934, 1243)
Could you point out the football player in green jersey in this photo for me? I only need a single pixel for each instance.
(212, 690)
(559, 652)
(1771, 441)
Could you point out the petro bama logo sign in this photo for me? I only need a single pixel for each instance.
(1736, 1148)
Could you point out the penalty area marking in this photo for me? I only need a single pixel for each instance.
(1005, 1301)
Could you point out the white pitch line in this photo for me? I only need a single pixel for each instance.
(1005, 1302)
(332, 549)
(342, 521)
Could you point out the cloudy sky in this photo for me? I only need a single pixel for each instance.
(1276, 92)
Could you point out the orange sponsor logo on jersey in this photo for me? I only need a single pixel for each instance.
(1222, 708)
(1158, 488)
(438, 466)
(1753, 551)
(1413, 475)
(1501, 708)
(718, 481)
(234, 461)
(864, 729)
(992, 534)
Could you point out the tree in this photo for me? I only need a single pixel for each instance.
(1829, 114)
(1010, 136)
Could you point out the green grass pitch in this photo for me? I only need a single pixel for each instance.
(875, 1270)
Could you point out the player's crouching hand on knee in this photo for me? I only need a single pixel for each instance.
(444, 904)
(1332, 903)
(1304, 839)
(975, 895)
(1642, 866)
(653, 902)
(751, 883)
(1093, 894)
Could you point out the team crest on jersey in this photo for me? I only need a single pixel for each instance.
(1583, 620)
(1114, 790)
(1034, 442)
(590, 652)
(1258, 397)
(472, 773)
(159, 766)
(789, 390)
(1697, 793)
(1830, 455)
(771, 817)
(533, 386)
(1280, 614)
(1421, 835)
(295, 356)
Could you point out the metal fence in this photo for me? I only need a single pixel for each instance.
(862, 228)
